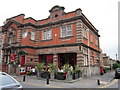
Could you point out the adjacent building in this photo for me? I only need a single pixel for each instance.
(107, 61)
(61, 38)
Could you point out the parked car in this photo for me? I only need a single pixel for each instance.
(117, 73)
(7, 82)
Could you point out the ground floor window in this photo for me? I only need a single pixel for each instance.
(85, 60)
(46, 58)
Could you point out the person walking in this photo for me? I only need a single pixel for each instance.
(33, 71)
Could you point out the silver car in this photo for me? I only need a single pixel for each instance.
(117, 73)
(9, 83)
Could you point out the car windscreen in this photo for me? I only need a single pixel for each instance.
(6, 80)
(118, 70)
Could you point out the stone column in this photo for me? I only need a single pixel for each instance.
(37, 38)
(18, 71)
(80, 58)
(19, 35)
(55, 59)
(79, 32)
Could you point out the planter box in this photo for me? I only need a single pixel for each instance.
(76, 75)
(45, 74)
(60, 76)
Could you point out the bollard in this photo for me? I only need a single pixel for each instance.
(47, 80)
(24, 78)
(98, 82)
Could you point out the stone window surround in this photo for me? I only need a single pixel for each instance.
(32, 36)
(44, 36)
(66, 27)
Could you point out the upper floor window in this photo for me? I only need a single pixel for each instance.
(96, 41)
(32, 35)
(25, 34)
(11, 37)
(91, 37)
(85, 33)
(66, 31)
(63, 31)
(85, 51)
(46, 35)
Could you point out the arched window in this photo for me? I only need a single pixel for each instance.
(11, 37)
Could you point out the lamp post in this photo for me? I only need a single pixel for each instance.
(116, 57)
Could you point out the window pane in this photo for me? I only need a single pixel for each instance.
(63, 32)
(32, 36)
(85, 60)
(44, 35)
(85, 33)
(69, 30)
(49, 34)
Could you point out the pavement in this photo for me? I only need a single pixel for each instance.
(85, 82)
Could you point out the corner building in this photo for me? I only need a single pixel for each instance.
(62, 38)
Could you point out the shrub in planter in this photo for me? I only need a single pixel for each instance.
(53, 68)
(68, 71)
(76, 74)
(28, 73)
(61, 75)
(115, 65)
(40, 66)
(106, 69)
(45, 74)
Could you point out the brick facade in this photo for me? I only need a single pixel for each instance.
(77, 39)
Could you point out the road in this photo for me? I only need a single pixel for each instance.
(106, 81)
(113, 84)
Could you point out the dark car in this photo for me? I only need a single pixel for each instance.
(117, 73)
(7, 82)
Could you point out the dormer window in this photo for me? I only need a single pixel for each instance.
(56, 13)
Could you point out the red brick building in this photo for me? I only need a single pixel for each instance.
(0, 48)
(61, 38)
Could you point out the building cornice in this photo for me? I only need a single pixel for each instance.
(59, 22)
(54, 46)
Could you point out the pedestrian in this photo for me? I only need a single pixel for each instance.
(33, 71)
(71, 68)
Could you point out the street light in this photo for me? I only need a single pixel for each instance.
(116, 57)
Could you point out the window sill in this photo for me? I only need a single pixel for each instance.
(85, 38)
(32, 40)
(46, 40)
(66, 37)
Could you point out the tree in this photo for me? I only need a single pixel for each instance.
(66, 68)
(39, 68)
(53, 68)
(118, 61)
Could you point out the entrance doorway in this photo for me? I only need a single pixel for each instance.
(66, 58)
(22, 62)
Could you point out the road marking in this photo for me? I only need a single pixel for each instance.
(103, 82)
(41, 85)
(113, 82)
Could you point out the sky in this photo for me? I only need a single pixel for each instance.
(103, 14)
